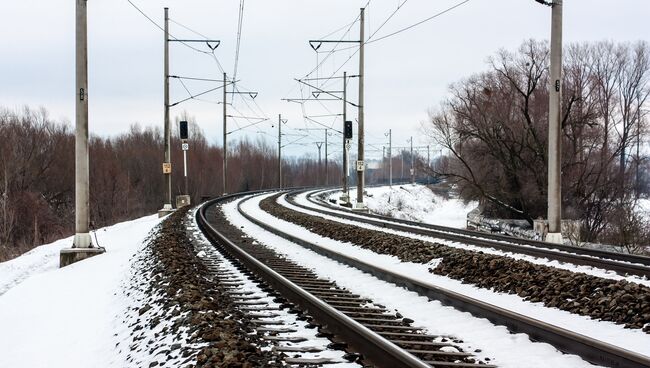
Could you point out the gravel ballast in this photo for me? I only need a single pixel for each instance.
(621, 302)
(185, 317)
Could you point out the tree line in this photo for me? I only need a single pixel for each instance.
(494, 128)
(126, 181)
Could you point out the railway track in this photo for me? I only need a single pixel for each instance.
(382, 338)
(589, 349)
(622, 264)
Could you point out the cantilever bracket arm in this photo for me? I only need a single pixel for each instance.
(316, 44)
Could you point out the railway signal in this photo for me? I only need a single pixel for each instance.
(184, 200)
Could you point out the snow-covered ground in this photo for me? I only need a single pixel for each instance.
(415, 202)
(494, 341)
(68, 317)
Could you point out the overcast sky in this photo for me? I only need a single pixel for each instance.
(406, 74)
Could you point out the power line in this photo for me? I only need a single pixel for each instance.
(239, 28)
(420, 22)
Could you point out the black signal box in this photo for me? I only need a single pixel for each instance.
(348, 130)
(183, 129)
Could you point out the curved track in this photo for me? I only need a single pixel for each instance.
(623, 264)
(591, 350)
(384, 340)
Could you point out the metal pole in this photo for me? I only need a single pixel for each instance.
(187, 191)
(390, 157)
(345, 150)
(360, 158)
(327, 180)
(279, 151)
(82, 237)
(554, 143)
(225, 141)
(168, 140)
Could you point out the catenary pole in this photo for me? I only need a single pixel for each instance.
(279, 151)
(360, 158)
(428, 164)
(82, 237)
(319, 145)
(554, 149)
(327, 180)
(345, 140)
(412, 167)
(225, 132)
(167, 130)
(390, 157)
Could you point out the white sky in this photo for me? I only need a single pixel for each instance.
(405, 75)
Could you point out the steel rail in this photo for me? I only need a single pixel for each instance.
(591, 350)
(624, 257)
(563, 253)
(376, 349)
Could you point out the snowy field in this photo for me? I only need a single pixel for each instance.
(415, 202)
(69, 317)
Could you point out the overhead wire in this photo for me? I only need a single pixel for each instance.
(238, 44)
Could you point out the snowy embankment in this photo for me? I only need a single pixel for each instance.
(415, 202)
(68, 317)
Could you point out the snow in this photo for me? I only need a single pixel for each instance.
(301, 199)
(416, 202)
(67, 317)
(494, 341)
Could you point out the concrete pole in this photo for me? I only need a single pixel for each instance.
(82, 237)
(554, 137)
(279, 151)
(428, 164)
(412, 167)
(390, 158)
(345, 150)
(360, 158)
(383, 162)
(168, 176)
(319, 145)
(225, 141)
(327, 180)
(402, 169)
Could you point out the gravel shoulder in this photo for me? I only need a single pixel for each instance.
(184, 317)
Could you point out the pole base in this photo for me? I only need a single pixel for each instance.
(360, 207)
(555, 238)
(82, 240)
(166, 210)
(69, 256)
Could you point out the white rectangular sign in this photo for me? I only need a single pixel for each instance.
(360, 165)
(185, 146)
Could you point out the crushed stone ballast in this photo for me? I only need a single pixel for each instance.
(621, 263)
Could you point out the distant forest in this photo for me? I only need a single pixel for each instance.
(126, 181)
(494, 127)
